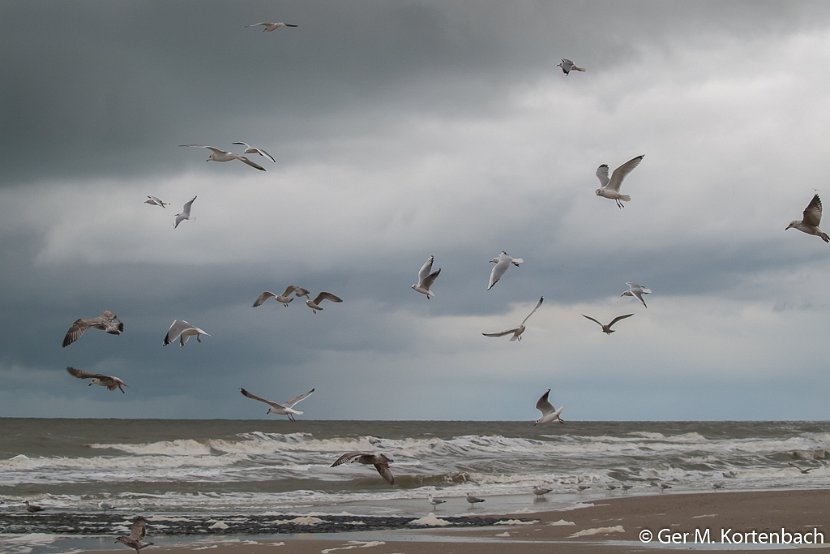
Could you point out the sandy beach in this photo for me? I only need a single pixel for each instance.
(714, 522)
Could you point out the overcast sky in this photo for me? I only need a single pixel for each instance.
(404, 129)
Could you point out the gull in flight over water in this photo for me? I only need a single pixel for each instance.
(502, 262)
(568, 66)
(107, 321)
(254, 150)
(137, 532)
(380, 461)
(810, 222)
(286, 409)
(473, 500)
(182, 330)
(315, 304)
(637, 291)
(109, 381)
(549, 413)
(611, 187)
(425, 278)
(607, 328)
(219, 155)
(517, 332)
(268, 26)
(283, 298)
(803, 470)
(155, 201)
(185, 213)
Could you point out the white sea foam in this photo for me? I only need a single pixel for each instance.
(597, 531)
(430, 520)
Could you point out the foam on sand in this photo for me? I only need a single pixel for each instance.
(430, 521)
(597, 531)
(354, 544)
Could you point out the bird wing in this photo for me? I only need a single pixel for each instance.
(80, 373)
(501, 334)
(266, 154)
(541, 299)
(592, 319)
(138, 528)
(175, 330)
(245, 144)
(812, 213)
(298, 291)
(257, 25)
(425, 270)
(265, 296)
(326, 296)
(250, 163)
(620, 173)
(291, 402)
(602, 174)
(186, 208)
(619, 317)
(255, 397)
(211, 148)
(496, 273)
(75, 332)
(385, 472)
(347, 457)
(543, 405)
(427, 282)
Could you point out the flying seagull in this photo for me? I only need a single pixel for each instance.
(219, 155)
(107, 321)
(607, 328)
(803, 470)
(473, 500)
(155, 201)
(268, 26)
(502, 262)
(636, 291)
(137, 532)
(568, 66)
(540, 491)
(611, 188)
(425, 278)
(549, 413)
(185, 213)
(254, 150)
(380, 461)
(182, 330)
(286, 409)
(283, 298)
(32, 508)
(810, 222)
(517, 332)
(109, 381)
(315, 304)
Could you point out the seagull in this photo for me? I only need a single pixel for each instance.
(137, 532)
(283, 298)
(607, 328)
(154, 201)
(108, 381)
(803, 470)
(636, 291)
(626, 487)
(810, 222)
(583, 487)
(315, 304)
(107, 321)
(182, 330)
(425, 278)
(219, 155)
(380, 461)
(436, 501)
(254, 150)
(540, 491)
(32, 508)
(568, 66)
(269, 26)
(611, 188)
(549, 413)
(281, 409)
(517, 332)
(473, 500)
(502, 262)
(185, 213)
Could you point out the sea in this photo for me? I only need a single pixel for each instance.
(92, 476)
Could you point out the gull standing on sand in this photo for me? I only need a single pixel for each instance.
(637, 291)
(137, 532)
(473, 500)
(182, 330)
(32, 508)
(540, 491)
(254, 150)
(185, 214)
(107, 321)
(436, 501)
(283, 298)
(607, 328)
(568, 66)
(380, 461)
(219, 155)
(155, 201)
(502, 262)
(517, 332)
(549, 413)
(811, 220)
(286, 409)
(268, 26)
(611, 187)
(315, 304)
(425, 278)
(109, 381)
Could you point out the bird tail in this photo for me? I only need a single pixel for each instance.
(517, 261)
(625, 198)
(577, 68)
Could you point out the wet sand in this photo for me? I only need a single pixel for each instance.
(611, 525)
